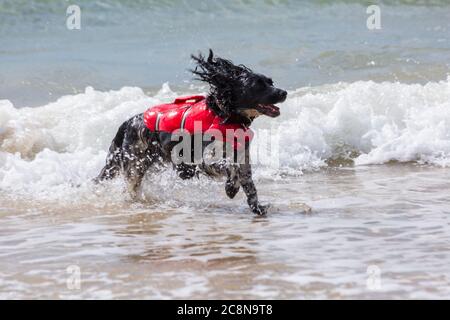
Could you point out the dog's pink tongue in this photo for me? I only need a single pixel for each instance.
(269, 110)
(272, 109)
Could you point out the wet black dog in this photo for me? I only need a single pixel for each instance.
(237, 95)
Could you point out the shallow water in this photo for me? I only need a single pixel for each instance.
(394, 217)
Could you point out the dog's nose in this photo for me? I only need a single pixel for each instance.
(283, 95)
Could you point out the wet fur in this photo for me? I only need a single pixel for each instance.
(235, 90)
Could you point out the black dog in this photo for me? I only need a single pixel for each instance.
(237, 95)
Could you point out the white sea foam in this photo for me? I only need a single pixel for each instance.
(64, 143)
(372, 123)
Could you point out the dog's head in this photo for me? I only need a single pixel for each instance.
(237, 90)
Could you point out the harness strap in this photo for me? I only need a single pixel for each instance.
(158, 119)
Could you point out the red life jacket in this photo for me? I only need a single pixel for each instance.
(185, 111)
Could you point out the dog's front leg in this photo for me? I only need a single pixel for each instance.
(232, 185)
(246, 181)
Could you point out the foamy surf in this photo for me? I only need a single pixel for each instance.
(367, 123)
(64, 143)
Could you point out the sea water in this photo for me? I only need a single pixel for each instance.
(363, 138)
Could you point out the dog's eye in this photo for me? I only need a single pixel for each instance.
(271, 82)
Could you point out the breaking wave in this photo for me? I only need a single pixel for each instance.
(64, 143)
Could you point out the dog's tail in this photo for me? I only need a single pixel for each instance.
(112, 167)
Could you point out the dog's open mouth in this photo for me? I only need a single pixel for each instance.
(269, 110)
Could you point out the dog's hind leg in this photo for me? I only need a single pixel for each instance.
(134, 173)
(131, 153)
(137, 154)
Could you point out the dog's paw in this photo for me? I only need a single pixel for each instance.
(261, 210)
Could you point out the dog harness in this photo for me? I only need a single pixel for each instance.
(191, 114)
